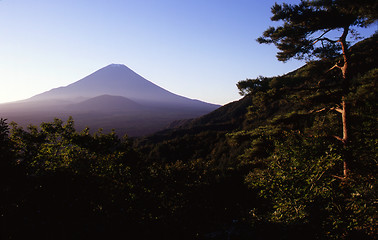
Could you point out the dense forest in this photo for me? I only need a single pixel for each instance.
(269, 166)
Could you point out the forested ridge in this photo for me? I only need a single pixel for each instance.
(295, 158)
(265, 167)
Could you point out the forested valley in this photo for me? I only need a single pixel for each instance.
(269, 166)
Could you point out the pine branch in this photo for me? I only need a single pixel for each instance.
(334, 66)
(327, 39)
(339, 138)
(339, 110)
(322, 38)
(338, 177)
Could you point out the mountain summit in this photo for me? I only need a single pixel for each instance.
(119, 80)
(111, 97)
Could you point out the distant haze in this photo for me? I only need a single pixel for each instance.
(112, 97)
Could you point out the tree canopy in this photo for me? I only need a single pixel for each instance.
(265, 167)
(308, 31)
(308, 28)
(262, 167)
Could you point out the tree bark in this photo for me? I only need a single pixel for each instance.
(345, 105)
(345, 119)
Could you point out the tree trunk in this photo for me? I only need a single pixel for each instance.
(345, 119)
(344, 103)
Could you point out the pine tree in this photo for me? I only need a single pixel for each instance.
(308, 31)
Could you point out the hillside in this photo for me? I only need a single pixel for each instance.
(289, 118)
(311, 77)
(265, 167)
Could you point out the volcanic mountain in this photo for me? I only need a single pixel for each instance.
(114, 97)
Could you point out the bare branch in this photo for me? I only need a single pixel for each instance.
(317, 111)
(320, 38)
(325, 109)
(339, 110)
(341, 178)
(327, 39)
(339, 138)
(334, 66)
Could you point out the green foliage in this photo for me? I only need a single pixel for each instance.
(58, 147)
(295, 174)
(252, 85)
(264, 167)
(102, 178)
(6, 155)
(283, 149)
(293, 159)
(4, 140)
(299, 177)
(88, 176)
(4, 130)
(294, 162)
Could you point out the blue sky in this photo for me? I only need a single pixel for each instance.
(196, 48)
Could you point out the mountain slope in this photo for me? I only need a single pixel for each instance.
(107, 104)
(257, 108)
(114, 97)
(119, 80)
(283, 149)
